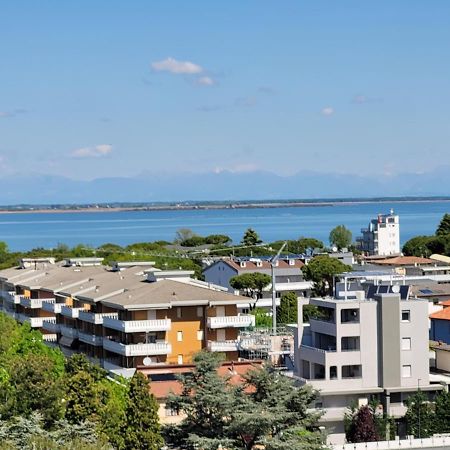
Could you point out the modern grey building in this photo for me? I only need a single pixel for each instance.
(362, 349)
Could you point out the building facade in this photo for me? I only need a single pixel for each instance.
(362, 349)
(382, 236)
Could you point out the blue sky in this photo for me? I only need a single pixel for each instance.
(106, 88)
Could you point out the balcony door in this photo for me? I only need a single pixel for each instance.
(220, 311)
(151, 314)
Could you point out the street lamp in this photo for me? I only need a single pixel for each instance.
(420, 404)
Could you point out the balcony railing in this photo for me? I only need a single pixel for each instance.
(50, 305)
(91, 339)
(32, 302)
(35, 322)
(223, 346)
(320, 350)
(70, 312)
(11, 297)
(50, 337)
(160, 348)
(51, 326)
(96, 318)
(241, 321)
(69, 331)
(136, 326)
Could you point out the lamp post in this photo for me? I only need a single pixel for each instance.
(420, 404)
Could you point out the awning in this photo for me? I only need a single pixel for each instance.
(66, 341)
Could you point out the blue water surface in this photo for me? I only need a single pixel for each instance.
(29, 230)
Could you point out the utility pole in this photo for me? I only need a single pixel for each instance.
(273, 262)
(420, 404)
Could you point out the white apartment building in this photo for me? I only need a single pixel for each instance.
(382, 236)
(362, 349)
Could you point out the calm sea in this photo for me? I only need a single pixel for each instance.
(29, 230)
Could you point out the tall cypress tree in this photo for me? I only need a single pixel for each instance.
(142, 429)
(444, 226)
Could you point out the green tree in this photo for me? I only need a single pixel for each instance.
(321, 270)
(183, 234)
(267, 410)
(287, 311)
(251, 284)
(311, 312)
(141, 430)
(262, 318)
(442, 413)
(218, 239)
(37, 387)
(444, 226)
(418, 246)
(420, 416)
(341, 237)
(251, 237)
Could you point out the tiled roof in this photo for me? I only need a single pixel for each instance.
(404, 261)
(443, 314)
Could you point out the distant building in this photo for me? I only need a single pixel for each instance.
(288, 275)
(382, 236)
(362, 349)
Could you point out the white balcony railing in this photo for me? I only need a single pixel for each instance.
(96, 318)
(136, 326)
(91, 339)
(241, 321)
(160, 348)
(34, 303)
(50, 305)
(70, 312)
(35, 322)
(50, 337)
(69, 331)
(223, 346)
(11, 297)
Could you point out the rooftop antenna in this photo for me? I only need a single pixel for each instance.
(273, 262)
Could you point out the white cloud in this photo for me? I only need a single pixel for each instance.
(327, 111)
(92, 152)
(177, 67)
(206, 81)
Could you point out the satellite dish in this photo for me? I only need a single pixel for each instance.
(396, 289)
(147, 361)
(335, 249)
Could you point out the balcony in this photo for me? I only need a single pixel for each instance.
(241, 321)
(35, 322)
(51, 337)
(329, 357)
(223, 346)
(96, 318)
(53, 327)
(323, 326)
(69, 331)
(70, 312)
(160, 348)
(11, 297)
(136, 326)
(91, 339)
(50, 305)
(34, 303)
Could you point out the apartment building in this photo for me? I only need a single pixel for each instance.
(288, 275)
(382, 236)
(125, 317)
(359, 349)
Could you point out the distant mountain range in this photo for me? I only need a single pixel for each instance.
(150, 187)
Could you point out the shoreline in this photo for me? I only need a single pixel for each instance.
(221, 206)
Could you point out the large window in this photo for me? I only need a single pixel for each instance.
(350, 315)
(351, 371)
(349, 344)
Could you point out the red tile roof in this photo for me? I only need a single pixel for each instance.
(443, 314)
(404, 261)
(445, 303)
(235, 371)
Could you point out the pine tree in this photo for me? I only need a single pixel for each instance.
(444, 226)
(142, 429)
(251, 237)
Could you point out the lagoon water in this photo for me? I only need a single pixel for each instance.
(29, 230)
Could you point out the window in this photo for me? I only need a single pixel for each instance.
(200, 335)
(333, 372)
(406, 315)
(171, 412)
(199, 311)
(180, 359)
(179, 336)
(406, 371)
(406, 343)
